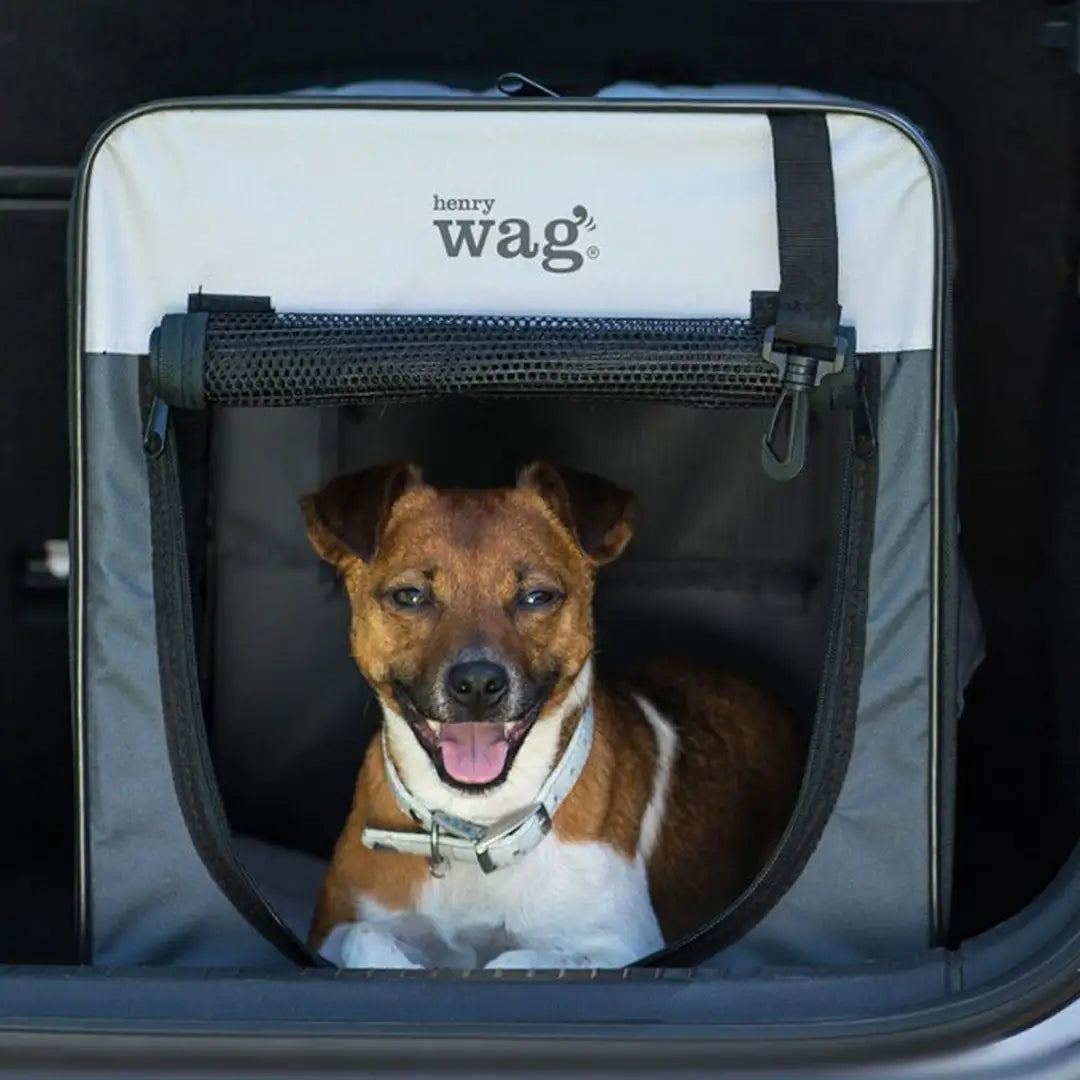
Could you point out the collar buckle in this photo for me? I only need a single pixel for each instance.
(455, 826)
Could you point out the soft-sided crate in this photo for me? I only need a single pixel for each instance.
(270, 292)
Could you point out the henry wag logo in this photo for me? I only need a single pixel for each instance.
(555, 242)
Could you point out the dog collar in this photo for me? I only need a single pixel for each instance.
(447, 839)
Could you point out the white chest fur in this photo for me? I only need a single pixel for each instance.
(542, 912)
(563, 905)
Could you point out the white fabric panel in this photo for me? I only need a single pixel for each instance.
(331, 209)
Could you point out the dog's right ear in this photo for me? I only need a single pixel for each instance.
(345, 519)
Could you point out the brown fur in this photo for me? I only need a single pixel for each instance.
(733, 787)
(737, 770)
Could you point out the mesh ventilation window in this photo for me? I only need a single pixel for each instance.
(288, 359)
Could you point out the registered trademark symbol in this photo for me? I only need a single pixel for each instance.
(592, 251)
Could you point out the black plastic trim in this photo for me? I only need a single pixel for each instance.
(35, 187)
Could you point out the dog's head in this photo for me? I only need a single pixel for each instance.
(471, 610)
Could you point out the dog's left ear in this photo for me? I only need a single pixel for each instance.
(345, 520)
(598, 513)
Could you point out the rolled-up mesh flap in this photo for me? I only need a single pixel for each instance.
(266, 358)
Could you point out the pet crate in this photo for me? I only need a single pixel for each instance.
(736, 305)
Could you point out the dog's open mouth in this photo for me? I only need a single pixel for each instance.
(470, 754)
(473, 753)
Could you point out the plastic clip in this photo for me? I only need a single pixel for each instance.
(800, 373)
(788, 464)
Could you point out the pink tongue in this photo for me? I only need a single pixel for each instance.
(473, 753)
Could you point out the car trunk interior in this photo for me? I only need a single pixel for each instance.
(1000, 108)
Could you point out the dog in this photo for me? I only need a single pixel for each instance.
(517, 810)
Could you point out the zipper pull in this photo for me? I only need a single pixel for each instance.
(515, 85)
(157, 428)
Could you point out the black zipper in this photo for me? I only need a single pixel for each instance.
(185, 730)
(833, 730)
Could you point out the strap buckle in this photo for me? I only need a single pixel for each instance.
(801, 371)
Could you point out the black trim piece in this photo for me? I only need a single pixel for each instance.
(835, 717)
(75, 279)
(943, 749)
(55, 206)
(185, 730)
(223, 302)
(37, 183)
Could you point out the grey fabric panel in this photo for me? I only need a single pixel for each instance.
(726, 565)
(151, 899)
(290, 880)
(866, 890)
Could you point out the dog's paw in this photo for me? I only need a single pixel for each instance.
(362, 945)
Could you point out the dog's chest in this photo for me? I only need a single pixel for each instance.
(562, 896)
(553, 877)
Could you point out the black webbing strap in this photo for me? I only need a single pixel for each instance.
(807, 310)
(805, 334)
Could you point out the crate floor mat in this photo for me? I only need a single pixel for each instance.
(324, 220)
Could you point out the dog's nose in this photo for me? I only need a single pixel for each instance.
(477, 684)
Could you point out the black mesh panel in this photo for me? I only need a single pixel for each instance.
(289, 359)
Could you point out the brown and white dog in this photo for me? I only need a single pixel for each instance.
(517, 811)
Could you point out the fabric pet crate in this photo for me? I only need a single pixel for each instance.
(736, 305)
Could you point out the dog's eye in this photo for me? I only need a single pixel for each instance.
(409, 597)
(537, 598)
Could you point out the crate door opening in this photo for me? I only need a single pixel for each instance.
(727, 569)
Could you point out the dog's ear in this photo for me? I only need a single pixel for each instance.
(598, 513)
(345, 519)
